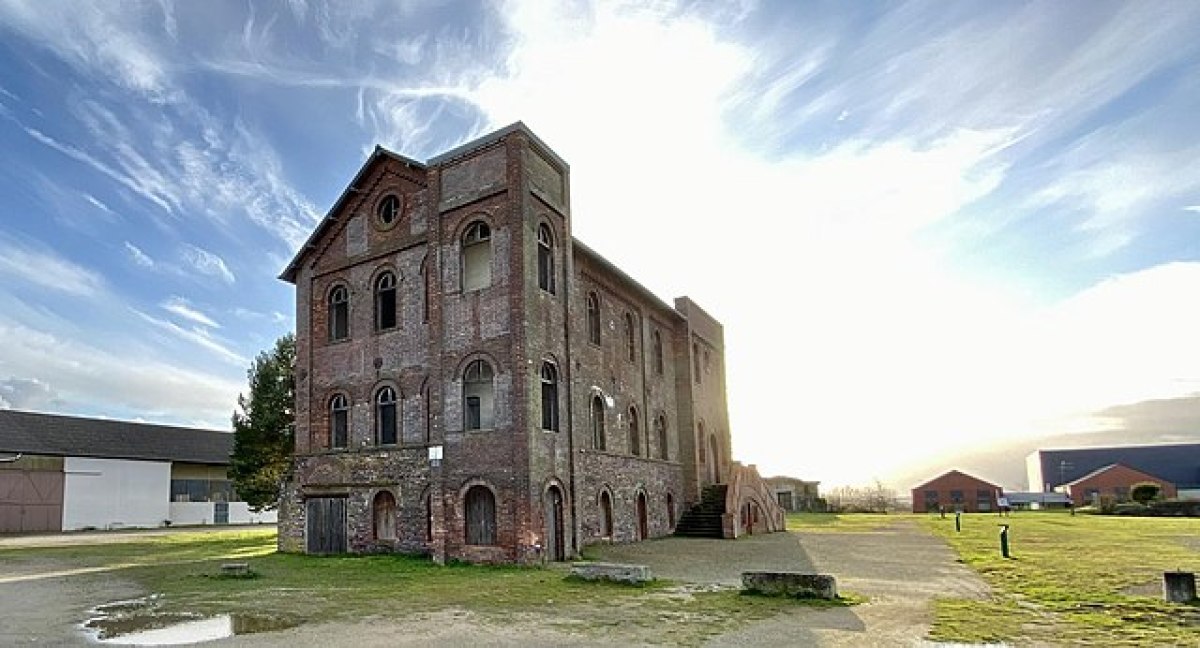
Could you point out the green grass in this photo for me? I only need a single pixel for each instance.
(840, 523)
(1074, 580)
(185, 569)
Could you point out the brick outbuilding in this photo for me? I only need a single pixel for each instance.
(1115, 481)
(956, 491)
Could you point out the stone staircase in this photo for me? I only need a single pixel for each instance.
(704, 520)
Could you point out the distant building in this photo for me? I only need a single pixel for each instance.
(1177, 463)
(1112, 481)
(796, 495)
(63, 473)
(955, 491)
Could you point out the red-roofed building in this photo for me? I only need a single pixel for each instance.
(955, 491)
(1115, 481)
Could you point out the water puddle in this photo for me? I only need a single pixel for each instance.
(139, 622)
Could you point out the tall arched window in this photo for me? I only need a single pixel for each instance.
(593, 318)
(339, 313)
(635, 436)
(339, 421)
(630, 337)
(480, 516)
(477, 256)
(385, 301)
(656, 344)
(425, 283)
(477, 396)
(606, 514)
(384, 509)
(660, 428)
(598, 422)
(696, 359)
(385, 416)
(545, 259)
(700, 440)
(549, 397)
(427, 408)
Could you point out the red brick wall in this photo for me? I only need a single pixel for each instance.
(1116, 483)
(969, 488)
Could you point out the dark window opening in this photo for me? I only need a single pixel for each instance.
(385, 302)
(339, 313)
(635, 438)
(339, 421)
(549, 397)
(630, 337)
(660, 424)
(593, 318)
(656, 342)
(545, 259)
(385, 415)
(389, 209)
(598, 441)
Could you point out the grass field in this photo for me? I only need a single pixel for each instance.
(185, 568)
(1071, 580)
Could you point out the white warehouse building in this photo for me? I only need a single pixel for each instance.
(64, 473)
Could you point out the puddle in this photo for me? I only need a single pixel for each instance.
(139, 623)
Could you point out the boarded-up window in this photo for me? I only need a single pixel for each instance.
(480, 516)
(660, 428)
(631, 337)
(549, 380)
(385, 301)
(545, 259)
(477, 257)
(339, 421)
(339, 313)
(384, 510)
(598, 441)
(478, 396)
(593, 318)
(385, 416)
(656, 343)
(635, 434)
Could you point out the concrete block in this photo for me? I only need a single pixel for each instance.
(793, 584)
(616, 572)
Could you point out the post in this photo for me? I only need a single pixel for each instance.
(957, 521)
(1004, 540)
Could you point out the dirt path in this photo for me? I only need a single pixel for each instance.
(900, 568)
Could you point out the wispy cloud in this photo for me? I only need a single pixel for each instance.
(48, 270)
(198, 336)
(207, 263)
(25, 394)
(140, 258)
(181, 307)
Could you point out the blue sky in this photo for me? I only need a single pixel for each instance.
(924, 225)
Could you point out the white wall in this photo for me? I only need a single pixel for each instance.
(115, 493)
(203, 513)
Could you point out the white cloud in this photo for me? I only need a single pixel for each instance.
(25, 394)
(48, 270)
(98, 204)
(207, 263)
(1192, 208)
(198, 336)
(140, 258)
(180, 306)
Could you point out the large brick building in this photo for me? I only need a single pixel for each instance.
(474, 383)
(955, 491)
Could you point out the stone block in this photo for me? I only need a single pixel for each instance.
(793, 584)
(615, 572)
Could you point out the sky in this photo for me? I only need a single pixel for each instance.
(926, 226)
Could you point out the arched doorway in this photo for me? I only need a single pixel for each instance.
(606, 516)
(714, 456)
(384, 509)
(643, 521)
(556, 545)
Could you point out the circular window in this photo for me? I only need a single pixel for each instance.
(389, 209)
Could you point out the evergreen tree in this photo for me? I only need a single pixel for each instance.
(263, 429)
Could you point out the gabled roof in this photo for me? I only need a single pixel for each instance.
(1100, 471)
(954, 472)
(70, 436)
(289, 273)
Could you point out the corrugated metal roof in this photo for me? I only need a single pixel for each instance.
(70, 436)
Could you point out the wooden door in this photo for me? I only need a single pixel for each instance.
(325, 525)
(30, 500)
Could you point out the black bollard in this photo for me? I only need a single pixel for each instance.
(957, 521)
(1004, 540)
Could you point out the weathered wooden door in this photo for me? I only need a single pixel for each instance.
(555, 537)
(30, 500)
(325, 525)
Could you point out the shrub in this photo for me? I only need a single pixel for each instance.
(1143, 492)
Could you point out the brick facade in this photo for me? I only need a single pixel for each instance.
(546, 484)
(955, 491)
(1115, 482)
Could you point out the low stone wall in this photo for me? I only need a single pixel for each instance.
(793, 584)
(615, 572)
